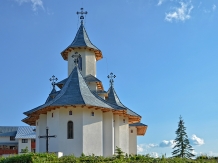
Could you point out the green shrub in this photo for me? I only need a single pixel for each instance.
(52, 158)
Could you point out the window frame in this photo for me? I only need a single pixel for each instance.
(24, 140)
(70, 129)
(12, 138)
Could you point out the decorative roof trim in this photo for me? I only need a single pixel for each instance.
(141, 128)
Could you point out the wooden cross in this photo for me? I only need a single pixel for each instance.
(111, 77)
(81, 14)
(47, 137)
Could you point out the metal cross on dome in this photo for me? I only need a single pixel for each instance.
(81, 14)
(53, 79)
(111, 77)
(76, 58)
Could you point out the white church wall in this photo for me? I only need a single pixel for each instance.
(37, 135)
(42, 122)
(52, 124)
(108, 134)
(116, 131)
(92, 132)
(71, 146)
(88, 61)
(132, 140)
(124, 134)
(22, 146)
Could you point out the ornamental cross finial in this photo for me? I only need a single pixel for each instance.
(53, 79)
(76, 58)
(111, 77)
(81, 14)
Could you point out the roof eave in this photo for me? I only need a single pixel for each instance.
(98, 53)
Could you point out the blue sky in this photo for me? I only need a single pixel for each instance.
(163, 52)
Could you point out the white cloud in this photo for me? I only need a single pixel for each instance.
(194, 153)
(160, 2)
(214, 7)
(35, 3)
(154, 154)
(140, 148)
(143, 148)
(194, 140)
(213, 154)
(152, 145)
(181, 13)
(166, 143)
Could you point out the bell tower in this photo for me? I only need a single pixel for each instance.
(82, 45)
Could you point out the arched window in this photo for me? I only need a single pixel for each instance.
(70, 112)
(80, 63)
(70, 130)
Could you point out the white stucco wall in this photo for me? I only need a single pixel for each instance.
(124, 134)
(88, 62)
(42, 124)
(92, 132)
(116, 131)
(108, 134)
(70, 146)
(98, 134)
(37, 135)
(52, 124)
(24, 145)
(133, 140)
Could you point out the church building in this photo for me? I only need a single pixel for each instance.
(82, 116)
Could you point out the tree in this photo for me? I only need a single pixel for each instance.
(119, 152)
(182, 146)
(25, 150)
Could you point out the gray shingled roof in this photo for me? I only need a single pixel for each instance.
(81, 39)
(17, 131)
(12, 133)
(114, 99)
(137, 124)
(91, 78)
(26, 132)
(52, 95)
(74, 92)
(6, 129)
(88, 78)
